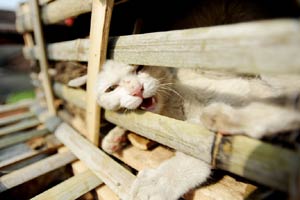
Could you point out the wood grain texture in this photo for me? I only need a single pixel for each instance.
(72, 188)
(100, 22)
(254, 47)
(109, 171)
(25, 124)
(32, 171)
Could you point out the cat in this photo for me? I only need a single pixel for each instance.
(221, 102)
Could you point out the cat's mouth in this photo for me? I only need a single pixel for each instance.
(148, 104)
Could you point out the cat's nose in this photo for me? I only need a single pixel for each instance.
(138, 92)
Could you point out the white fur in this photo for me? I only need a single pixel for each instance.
(222, 102)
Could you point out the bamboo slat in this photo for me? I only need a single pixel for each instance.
(100, 22)
(29, 123)
(39, 38)
(240, 155)
(16, 106)
(72, 188)
(21, 137)
(109, 171)
(254, 47)
(15, 118)
(34, 170)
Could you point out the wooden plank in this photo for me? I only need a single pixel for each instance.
(253, 47)
(72, 188)
(34, 170)
(39, 37)
(15, 118)
(100, 21)
(109, 171)
(16, 106)
(11, 156)
(21, 137)
(29, 123)
(240, 155)
(74, 96)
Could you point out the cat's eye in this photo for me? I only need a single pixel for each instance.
(111, 88)
(139, 68)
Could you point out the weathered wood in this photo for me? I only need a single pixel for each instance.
(29, 123)
(109, 171)
(34, 170)
(15, 118)
(238, 154)
(140, 142)
(74, 96)
(100, 21)
(185, 137)
(11, 156)
(253, 47)
(39, 38)
(104, 192)
(21, 137)
(53, 12)
(16, 106)
(76, 122)
(72, 188)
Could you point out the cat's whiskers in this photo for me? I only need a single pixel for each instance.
(165, 88)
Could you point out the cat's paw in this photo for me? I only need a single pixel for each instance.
(114, 140)
(152, 184)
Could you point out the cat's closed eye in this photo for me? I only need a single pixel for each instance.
(139, 68)
(111, 88)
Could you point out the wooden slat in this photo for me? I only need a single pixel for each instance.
(39, 38)
(100, 21)
(16, 106)
(34, 170)
(21, 137)
(109, 171)
(253, 159)
(254, 47)
(72, 188)
(29, 123)
(15, 118)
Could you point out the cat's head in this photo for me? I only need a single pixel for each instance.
(124, 86)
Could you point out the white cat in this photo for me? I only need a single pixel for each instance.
(196, 96)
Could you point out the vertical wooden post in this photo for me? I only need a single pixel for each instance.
(99, 32)
(42, 57)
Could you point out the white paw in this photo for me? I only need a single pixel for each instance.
(114, 140)
(152, 184)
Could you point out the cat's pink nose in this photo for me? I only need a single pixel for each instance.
(138, 92)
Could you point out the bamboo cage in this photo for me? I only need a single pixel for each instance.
(250, 167)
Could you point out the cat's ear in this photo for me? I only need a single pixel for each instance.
(77, 82)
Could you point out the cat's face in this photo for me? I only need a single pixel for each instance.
(123, 86)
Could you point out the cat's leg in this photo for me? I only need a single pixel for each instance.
(114, 140)
(171, 179)
(255, 119)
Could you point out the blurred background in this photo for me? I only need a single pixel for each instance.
(14, 77)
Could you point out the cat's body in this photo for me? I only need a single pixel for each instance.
(226, 103)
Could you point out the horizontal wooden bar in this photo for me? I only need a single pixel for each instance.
(253, 47)
(72, 188)
(29, 123)
(15, 118)
(250, 158)
(34, 170)
(21, 137)
(109, 171)
(16, 106)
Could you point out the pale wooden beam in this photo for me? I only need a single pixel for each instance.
(72, 188)
(16, 106)
(109, 171)
(271, 46)
(25, 124)
(39, 37)
(100, 21)
(15, 118)
(21, 137)
(34, 170)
